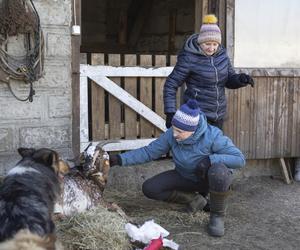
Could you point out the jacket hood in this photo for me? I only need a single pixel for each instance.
(202, 126)
(191, 45)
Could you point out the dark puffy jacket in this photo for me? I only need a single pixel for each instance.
(206, 78)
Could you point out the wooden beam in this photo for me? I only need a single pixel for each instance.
(110, 71)
(75, 43)
(84, 129)
(130, 101)
(201, 9)
(119, 145)
(285, 172)
(172, 30)
(230, 29)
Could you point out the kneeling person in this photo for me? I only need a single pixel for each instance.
(203, 159)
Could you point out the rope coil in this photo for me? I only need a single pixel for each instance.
(21, 17)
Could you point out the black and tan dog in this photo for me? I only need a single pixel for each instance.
(28, 193)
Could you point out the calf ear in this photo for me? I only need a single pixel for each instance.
(46, 156)
(26, 151)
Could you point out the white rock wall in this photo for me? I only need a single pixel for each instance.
(46, 122)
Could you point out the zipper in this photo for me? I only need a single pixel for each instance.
(216, 86)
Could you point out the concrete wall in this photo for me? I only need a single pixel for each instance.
(46, 122)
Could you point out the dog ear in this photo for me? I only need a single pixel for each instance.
(24, 152)
(46, 156)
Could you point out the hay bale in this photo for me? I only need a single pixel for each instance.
(97, 228)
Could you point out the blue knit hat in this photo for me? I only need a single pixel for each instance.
(187, 116)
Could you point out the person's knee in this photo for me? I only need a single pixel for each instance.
(149, 190)
(219, 177)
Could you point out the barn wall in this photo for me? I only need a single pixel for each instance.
(104, 22)
(46, 122)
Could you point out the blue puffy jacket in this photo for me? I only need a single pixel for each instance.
(206, 141)
(206, 78)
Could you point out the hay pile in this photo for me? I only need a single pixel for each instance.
(94, 229)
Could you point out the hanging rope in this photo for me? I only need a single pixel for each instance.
(20, 17)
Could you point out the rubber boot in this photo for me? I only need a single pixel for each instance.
(217, 212)
(297, 170)
(194, 201)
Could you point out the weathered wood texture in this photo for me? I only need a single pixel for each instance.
(265, 121)
(123, 122)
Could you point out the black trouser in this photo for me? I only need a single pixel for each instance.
(160, 186)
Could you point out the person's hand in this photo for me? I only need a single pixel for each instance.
(202, 167)
(115, 160)
(244, 78)
(169, 117)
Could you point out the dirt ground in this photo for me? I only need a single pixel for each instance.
(263, 213)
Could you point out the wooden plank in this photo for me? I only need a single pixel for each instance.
(270, 119)
(160, 61)
(172, 30)
(111, 71)
(130, 85)
(122, 37)
(198, 15)
(98, 103)
(230, 29)
(120, 145)
(260, 119)
(146, 129)
(130, 101)
(75, 43)
(114, 103)
(284, 171)
(295, 113)
(84, 130)
(222, 19)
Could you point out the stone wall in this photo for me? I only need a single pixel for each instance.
(46, 122)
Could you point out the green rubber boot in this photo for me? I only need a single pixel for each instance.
(194, 202)
(217, 212)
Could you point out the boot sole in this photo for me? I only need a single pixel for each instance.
(215, 233)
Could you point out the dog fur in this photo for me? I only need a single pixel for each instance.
(25, 240)
(28, 193)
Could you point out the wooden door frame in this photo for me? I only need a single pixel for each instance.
(75, 67)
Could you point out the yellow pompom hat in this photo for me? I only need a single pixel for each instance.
(209, 31)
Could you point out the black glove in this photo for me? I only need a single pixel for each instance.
(202, 167)
(169, 117)
(115, 160)
(244, 78)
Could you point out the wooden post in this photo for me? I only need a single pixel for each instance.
(201, 9)
(285, 172)
(75, 43)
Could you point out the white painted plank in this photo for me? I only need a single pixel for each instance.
(90, 70)
(130, 101)
(119, 145)
(84, 132)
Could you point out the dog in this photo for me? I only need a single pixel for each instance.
(26, 240)
(28, 193)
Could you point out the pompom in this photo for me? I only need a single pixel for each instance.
(210, 19)
(193, 104)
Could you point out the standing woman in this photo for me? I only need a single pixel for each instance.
(204, 65)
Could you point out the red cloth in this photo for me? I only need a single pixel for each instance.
(155, 244)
